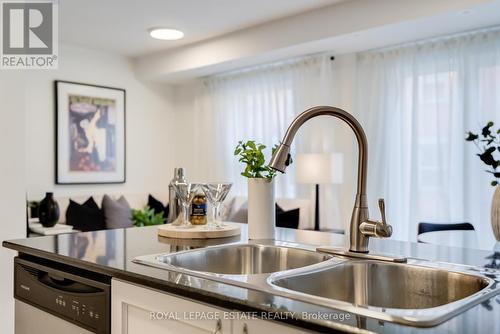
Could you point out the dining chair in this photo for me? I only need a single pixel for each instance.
(425, 227)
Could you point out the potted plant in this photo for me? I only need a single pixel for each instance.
(488, 144)
(147, 217)
(261, 201)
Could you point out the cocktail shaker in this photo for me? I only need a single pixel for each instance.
(175, 206)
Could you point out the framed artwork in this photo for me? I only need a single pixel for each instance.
(90, 134)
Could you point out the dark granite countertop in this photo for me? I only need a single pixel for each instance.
(111, 253)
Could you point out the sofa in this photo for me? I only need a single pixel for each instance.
(135, 200)
(231, 205)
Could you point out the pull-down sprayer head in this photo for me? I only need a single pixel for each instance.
(281, 158)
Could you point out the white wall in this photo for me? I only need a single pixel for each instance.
(27, 142)
(149, 124)
(185, 117)
(12, 181)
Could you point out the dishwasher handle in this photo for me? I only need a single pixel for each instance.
(66, 284)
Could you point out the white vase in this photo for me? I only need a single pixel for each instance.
(261, 209)
(495, 213)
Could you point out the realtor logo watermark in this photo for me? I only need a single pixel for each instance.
(29, 36)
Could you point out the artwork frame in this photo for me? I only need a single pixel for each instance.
(90, 133)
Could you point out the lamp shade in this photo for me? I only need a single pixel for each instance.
(319, 168)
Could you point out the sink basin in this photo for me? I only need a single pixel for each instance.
(386, 285)
(244, 259)
(405, 293)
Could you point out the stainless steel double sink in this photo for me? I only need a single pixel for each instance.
(418, 293)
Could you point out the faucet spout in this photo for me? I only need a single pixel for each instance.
(281, 158)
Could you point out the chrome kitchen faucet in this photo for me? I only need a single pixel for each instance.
(362, 228)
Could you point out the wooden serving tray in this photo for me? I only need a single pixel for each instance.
(198, 231)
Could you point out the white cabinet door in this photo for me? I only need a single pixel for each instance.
(140, 310)
(255, 326)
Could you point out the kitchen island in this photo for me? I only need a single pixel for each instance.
(201, 301)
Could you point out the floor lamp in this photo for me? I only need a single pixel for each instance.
(319, 169)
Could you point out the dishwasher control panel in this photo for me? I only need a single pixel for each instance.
(77, 299)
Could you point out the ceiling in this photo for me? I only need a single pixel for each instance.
(120, 26)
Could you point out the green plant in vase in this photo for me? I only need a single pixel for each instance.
(261, 201)
(251, 154)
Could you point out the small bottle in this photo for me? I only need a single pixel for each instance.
(175, 207)
(199, 209)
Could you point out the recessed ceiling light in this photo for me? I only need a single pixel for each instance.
(166, 34)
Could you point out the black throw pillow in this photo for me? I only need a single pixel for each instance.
(279, 209)
(85, 217)
(157, 206)
(288, 219)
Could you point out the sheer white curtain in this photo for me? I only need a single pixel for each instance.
(259, 104)
(417, 102)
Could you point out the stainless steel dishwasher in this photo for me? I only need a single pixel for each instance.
(50, 300)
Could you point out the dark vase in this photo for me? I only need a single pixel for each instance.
(48, 211)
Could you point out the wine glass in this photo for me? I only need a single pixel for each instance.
(185, 192)
(216, 193)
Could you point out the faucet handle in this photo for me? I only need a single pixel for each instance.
(374, 228)
(385, 229)
(381, 205)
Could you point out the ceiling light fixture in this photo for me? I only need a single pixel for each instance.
(166, 34)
